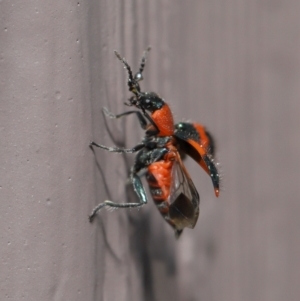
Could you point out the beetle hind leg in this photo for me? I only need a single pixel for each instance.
(113, 205)
(139, 190)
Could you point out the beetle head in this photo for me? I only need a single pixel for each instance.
(149, 101)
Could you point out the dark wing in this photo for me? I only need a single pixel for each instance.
(184, 199)
(196, 142)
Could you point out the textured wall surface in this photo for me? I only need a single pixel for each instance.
(232, 65)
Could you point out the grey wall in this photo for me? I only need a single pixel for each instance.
(231, 65)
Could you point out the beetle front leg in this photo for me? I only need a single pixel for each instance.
(141, 118)
(139, 190)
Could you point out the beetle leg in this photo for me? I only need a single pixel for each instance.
(139, 190)
(143, 159)
(119, 150)
(141, 118)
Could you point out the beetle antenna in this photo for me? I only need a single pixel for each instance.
(132, 82)
(139, 75)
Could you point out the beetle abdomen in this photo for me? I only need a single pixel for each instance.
(159, 181)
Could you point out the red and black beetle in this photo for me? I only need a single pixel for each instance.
(171, 187)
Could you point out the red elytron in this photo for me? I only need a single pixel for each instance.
(160, 153)
(196, 142)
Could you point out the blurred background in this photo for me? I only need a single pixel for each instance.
(231, 65)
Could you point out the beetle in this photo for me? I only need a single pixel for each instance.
(160, 154)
